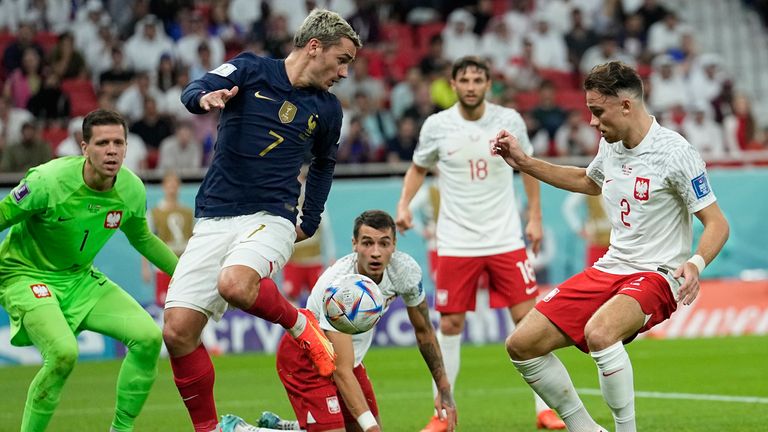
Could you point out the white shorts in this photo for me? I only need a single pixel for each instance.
(261, 241)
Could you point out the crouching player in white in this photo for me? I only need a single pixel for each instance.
(652, 181)
(346, 400)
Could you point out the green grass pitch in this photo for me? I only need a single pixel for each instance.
(683, 385)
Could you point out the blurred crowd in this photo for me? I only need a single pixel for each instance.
(63, 58)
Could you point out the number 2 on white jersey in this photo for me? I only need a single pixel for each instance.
(625, 209)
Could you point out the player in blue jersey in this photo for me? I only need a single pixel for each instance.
(272, 113)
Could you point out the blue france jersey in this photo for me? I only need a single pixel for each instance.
(264, 133)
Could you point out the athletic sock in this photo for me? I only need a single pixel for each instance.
(617, 385)
(273, 307)
(194, 377)
(549, 379)
(450, 347)
(539, 403)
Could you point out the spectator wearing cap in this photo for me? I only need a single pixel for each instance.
(148, 44)
(458, 36)
(30, 151)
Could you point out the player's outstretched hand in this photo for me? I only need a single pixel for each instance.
(217, 99)
(690, 288)
(403, 218)
(446, 409)
(505, 145)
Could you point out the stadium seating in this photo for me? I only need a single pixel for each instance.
(82, 97)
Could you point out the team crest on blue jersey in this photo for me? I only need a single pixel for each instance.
(287, 112)
(311, 125)
(20, 192)
(701, 186)
(112, 221)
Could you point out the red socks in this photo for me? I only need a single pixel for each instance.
(194, 376)
(272, 306)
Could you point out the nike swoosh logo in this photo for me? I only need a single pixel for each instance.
(607, 374)
(608, 180)
(191, 397)
(450, 152)
(261, 96)
(63, 219)
(531, 290)
(629, 288)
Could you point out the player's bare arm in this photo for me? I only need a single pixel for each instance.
(713, 238)
(573, 179)
(344, 376)
(218, 98)
(430, 350)
(412, 181)
(533, 230)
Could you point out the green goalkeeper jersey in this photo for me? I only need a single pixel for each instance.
(59, 224)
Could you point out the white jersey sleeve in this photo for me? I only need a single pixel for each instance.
(595, 170)
(427, 152)
(687, 175)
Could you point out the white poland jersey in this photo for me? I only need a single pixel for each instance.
(650, 193)
(478, 211)
(402, 277)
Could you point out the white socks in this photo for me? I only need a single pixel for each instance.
(450, 347)
(617, 385)
(549, 379)
(298, 328)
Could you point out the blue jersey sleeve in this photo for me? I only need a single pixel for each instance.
(235, 72)
(321, 169)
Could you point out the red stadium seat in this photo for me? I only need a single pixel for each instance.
(54, 135)
(425, 32)
(82, 97)
(526, 101)
(47, 40)
(561, 80)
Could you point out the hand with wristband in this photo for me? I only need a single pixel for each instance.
(690, 288)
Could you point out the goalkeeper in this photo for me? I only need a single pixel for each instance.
(61, 214)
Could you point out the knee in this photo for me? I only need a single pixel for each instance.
(62, 358)
(598, 337)
(237, 291)
(517, 349)
(149, 341)
(452, 324)
(179, 338)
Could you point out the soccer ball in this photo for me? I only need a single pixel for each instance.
(353, 304)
